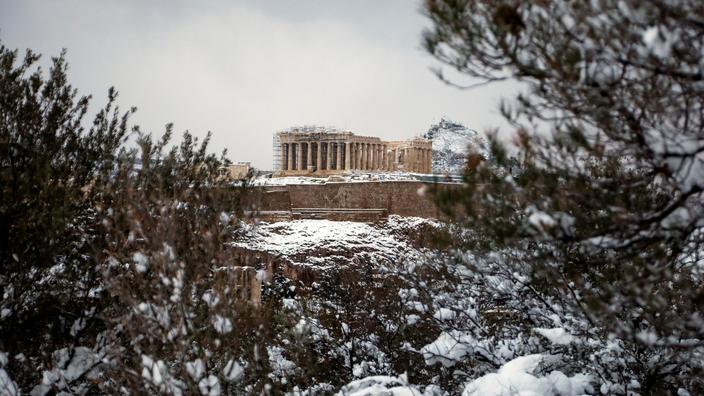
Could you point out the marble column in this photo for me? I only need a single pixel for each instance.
(375, 163)
(283, 160)
(421, 162)
(289, 155)
(320, 156)
(331, 150)
(340, 163)
(380, 162)
(335, 157)
(353, 153)
(338, 157)
(363, 154)
(407, 160)
(429, 164)
(292, 150)
(328, 163)
(309, 155)
(380, 150)
(424, 160)
(358, 156)
(299, 156)
(386, 158)
(390, 159)
(370, 156)
(317, 156)
(348, 160)
(366, 156)
(362, 157)
(415, 159)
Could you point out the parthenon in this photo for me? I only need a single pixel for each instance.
(325, 151)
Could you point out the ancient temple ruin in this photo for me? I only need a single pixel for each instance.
(325, 151)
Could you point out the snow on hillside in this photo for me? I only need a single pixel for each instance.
(323, 243)
(451, 144)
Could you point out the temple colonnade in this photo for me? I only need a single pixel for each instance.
(318, 152)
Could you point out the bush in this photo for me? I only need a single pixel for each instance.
(599, 232)
(116, 272)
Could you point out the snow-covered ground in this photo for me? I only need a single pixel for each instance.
(324, 243)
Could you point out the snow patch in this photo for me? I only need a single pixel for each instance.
(448, 349)
(382, 385)
(222, 324)
(557, 336)
(141, 261)
(516, 378)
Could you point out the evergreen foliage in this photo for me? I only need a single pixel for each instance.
(600, 231)
(103, 245)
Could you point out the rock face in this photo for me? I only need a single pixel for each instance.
(323, 244)
(452, 142)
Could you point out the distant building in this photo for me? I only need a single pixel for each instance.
(325, 151)
(237, 170)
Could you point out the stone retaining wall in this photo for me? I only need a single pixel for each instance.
(404, 198)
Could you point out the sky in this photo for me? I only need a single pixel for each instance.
(246, 69)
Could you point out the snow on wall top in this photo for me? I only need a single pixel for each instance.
(353, 177)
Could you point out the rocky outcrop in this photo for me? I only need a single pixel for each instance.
(452, 142)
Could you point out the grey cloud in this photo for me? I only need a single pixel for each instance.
(246, 69)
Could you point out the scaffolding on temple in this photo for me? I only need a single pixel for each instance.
(276, 148)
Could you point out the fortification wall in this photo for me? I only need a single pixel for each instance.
(404, 198)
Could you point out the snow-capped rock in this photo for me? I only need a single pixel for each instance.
(325, 243)
(452, 142)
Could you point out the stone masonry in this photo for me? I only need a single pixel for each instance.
(315, 151)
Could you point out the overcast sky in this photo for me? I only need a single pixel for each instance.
(245, 69)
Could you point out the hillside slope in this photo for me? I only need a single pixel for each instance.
(321, 243)
(452, 142)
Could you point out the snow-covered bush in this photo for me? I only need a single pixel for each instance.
(115, 273)
(517, 378)
(595, 245)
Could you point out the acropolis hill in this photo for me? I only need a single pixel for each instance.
(319, 151)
